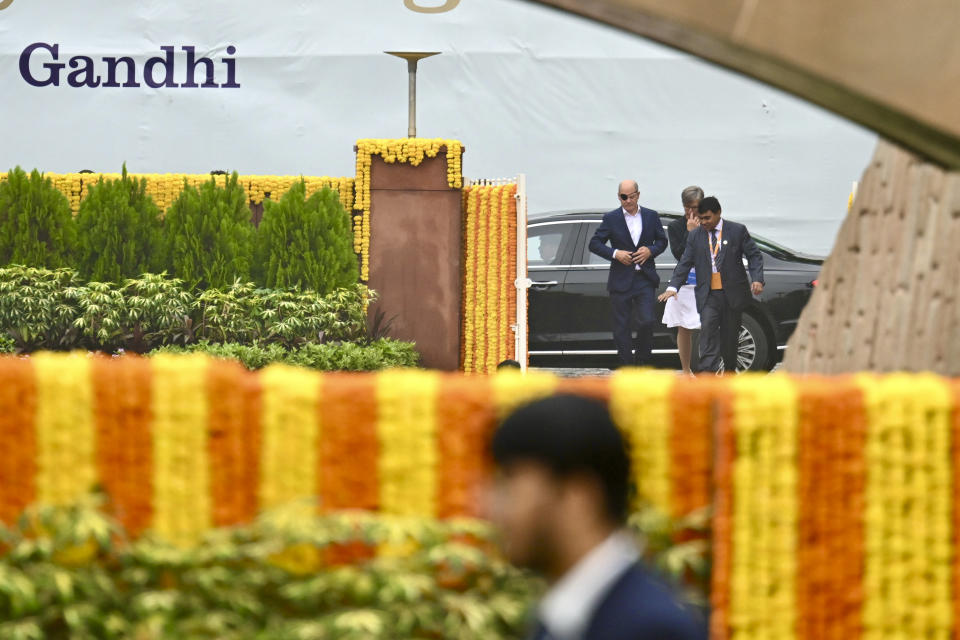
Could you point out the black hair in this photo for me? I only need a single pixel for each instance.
(710, 203)
(569, 435)
(509, 364)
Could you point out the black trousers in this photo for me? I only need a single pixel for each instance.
(719, 333)
(633, 311)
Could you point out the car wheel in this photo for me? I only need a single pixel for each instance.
(753, 349)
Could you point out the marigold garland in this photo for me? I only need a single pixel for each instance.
(66, 434)
(640, 405)
(407, 150)
(835, 505)
(18, 463)
(407, 426)
(765, 509)
(349, 449)
(181, 471)
(288, 462)
(122, 390)
(490, 263)
(909, 495)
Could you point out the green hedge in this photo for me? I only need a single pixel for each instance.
(36, 226)
(305, 242)
(118, 228)
(346, 356)
(205, 238)
(54, 309)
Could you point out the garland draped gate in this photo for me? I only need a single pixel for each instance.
(495, 282)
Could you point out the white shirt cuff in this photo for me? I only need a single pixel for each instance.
(674, 289)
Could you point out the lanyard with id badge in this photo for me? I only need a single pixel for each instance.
(715, 282)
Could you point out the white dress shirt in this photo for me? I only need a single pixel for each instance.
(634, 226)
(569, 605)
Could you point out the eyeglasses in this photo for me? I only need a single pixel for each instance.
(627, 196)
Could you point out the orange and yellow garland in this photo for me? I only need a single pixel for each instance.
(405, 150)
(836, 512)
(490, 267)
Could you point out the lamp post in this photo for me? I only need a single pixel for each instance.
(412, 57)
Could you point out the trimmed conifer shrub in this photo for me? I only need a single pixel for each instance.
(305, 242)
(118, 229)
(206, 237)
(36, 226)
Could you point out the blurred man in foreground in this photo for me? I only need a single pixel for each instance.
(561, 503)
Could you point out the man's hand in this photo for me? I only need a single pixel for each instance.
(623, 257)
(641, 255)
(666, 295)
(756, 288)
(692, 223)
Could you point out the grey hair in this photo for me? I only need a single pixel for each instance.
(691, 194)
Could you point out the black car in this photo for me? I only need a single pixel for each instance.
(571, 324)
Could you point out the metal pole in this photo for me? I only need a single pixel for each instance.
(412, 58)
(412, 91)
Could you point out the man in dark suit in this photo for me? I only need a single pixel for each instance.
(717, 248)
(635, 236)
(561, 501)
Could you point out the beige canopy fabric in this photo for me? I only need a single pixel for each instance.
(890, 65)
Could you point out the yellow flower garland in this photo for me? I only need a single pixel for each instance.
(640, 403)
(408, 150)
(470, 278)
(291, 429)
(181, 470)
(908, 546)
(765, 508)
(66, 435)
(407, 426)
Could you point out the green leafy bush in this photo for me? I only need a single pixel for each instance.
(243, 313)
(37, 309)
(70, 572)
(36, 226)
(52, 309)
(137, 315)
(207, 238)
(118, 229)
(344, 356)
(305, 242)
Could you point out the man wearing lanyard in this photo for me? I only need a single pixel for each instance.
(718, 248)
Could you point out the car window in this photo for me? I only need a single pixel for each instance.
(549, 244)
(593, 258)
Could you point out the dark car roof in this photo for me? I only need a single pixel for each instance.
(595, 215)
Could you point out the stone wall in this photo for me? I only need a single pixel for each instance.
(889, 294)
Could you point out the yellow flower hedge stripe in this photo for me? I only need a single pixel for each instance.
(66, 429)
(291, 429)
(640, 404)
(763, 596)
(407, 429)
(165, 187)
(512, 388)
(181, 471)
(909, 489)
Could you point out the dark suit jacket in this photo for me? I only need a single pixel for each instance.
(614, 230)
(677, 234)
(640, 607)
(737, 243)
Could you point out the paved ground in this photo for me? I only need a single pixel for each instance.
(577, 373)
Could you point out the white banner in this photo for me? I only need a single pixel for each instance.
(286, 87)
